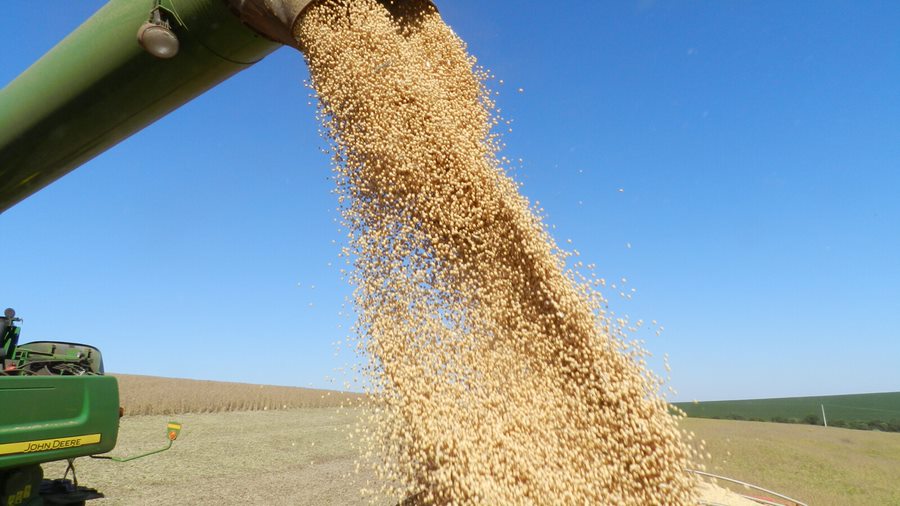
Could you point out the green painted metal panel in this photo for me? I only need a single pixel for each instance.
(48, 418)
(98, 86)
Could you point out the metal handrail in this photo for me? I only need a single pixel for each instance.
(750, 485)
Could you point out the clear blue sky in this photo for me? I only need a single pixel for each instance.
(757, 144)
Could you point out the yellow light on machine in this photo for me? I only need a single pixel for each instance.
(173, 429)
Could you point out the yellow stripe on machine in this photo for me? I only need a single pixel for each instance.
(45, 445)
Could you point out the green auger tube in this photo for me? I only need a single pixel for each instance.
(131, 63)
(100, 85)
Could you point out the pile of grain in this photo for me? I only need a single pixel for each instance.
(497, 376)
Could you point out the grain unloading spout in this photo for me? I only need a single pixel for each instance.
(130, 64)
(273, 18)
(276, 18)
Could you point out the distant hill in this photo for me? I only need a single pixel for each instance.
(879, 411)
(150, 395)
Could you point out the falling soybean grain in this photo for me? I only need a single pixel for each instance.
(494, 377)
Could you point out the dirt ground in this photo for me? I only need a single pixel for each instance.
(290, 457)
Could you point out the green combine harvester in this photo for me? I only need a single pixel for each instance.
(131, 63)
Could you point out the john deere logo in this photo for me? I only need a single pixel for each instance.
(45, 445)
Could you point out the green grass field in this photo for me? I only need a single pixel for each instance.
(862, 411)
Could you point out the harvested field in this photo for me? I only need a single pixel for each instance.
(288, 457)
(292, 457)
(150, 395)
(818, 465)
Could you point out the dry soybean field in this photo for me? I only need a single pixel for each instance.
(150, 395)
